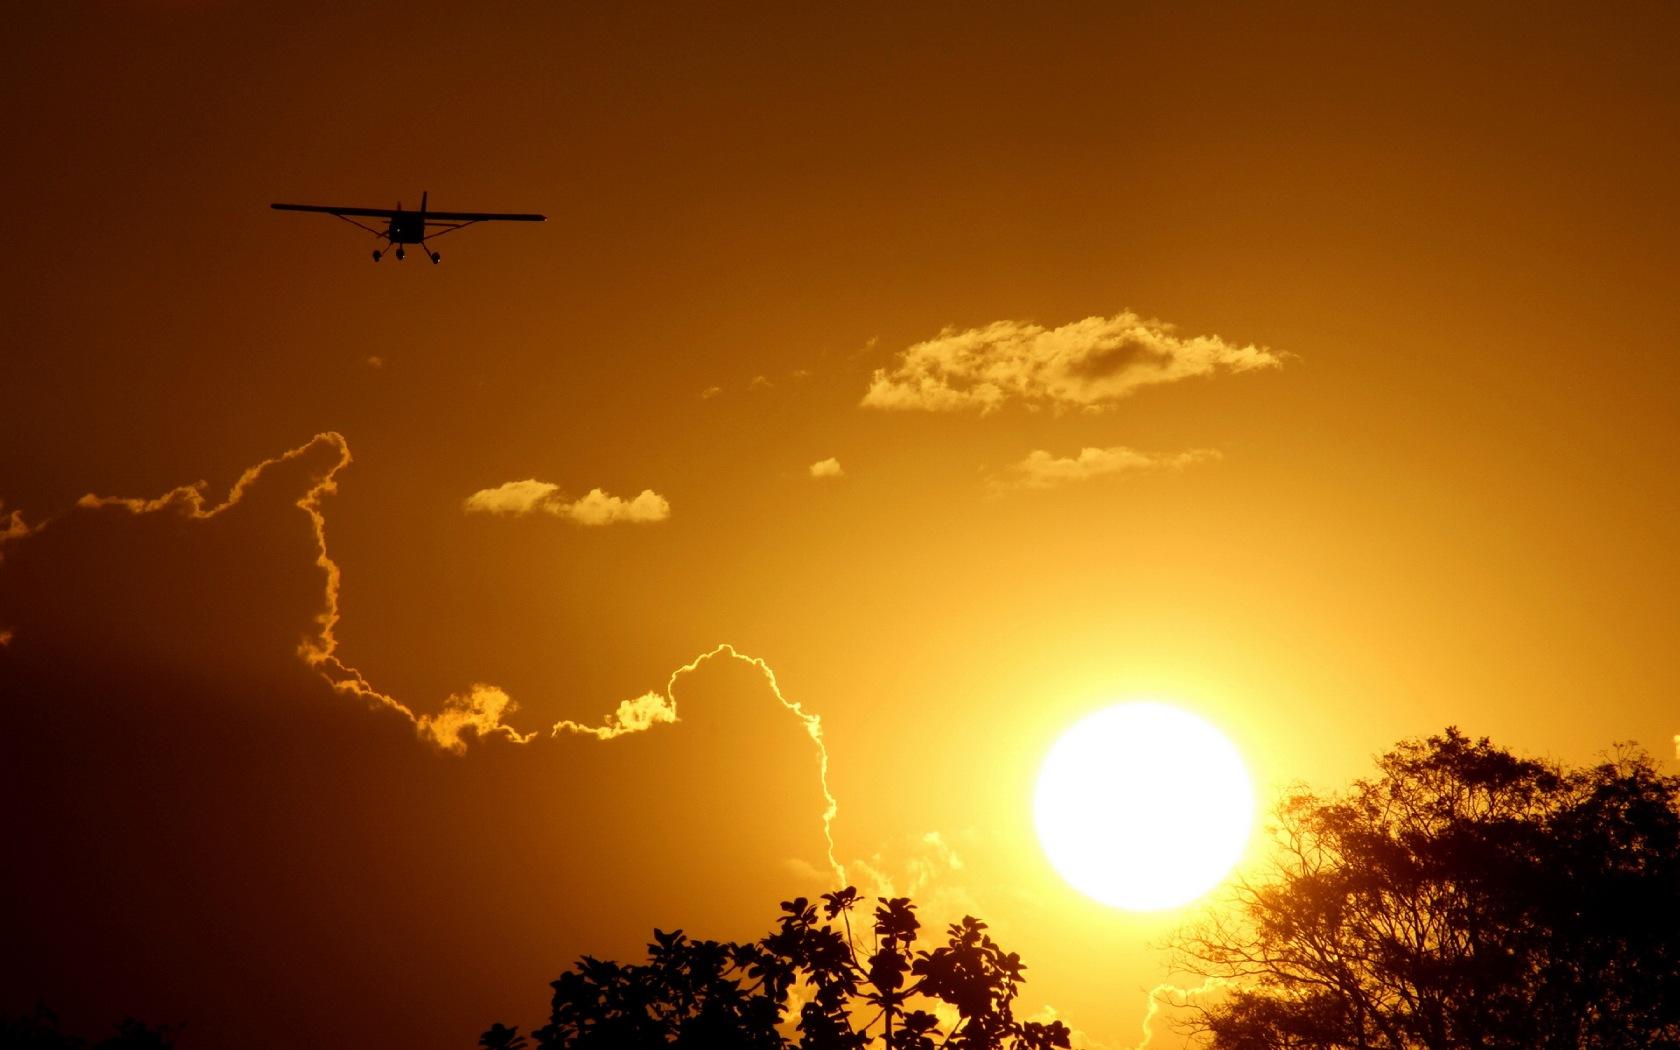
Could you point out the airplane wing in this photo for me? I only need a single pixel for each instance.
(436, 223)
(484, 216)
(331, 209)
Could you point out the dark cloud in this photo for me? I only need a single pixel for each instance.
(206, 805)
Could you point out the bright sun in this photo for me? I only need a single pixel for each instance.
(1143, 806)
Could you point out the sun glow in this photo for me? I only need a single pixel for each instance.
(1143, 806)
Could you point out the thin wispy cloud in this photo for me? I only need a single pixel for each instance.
(598, 507)
(928, 868)
(12, 527)
(1041, 470)
(1087, 365)
(757, 383)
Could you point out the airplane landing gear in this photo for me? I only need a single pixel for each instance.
(402, 254)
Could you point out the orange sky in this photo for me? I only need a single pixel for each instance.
(1381, 388)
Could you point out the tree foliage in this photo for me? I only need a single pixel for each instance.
(1463, 897)
(810, 984)
(39, 1030)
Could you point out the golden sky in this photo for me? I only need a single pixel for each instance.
(1310, 367)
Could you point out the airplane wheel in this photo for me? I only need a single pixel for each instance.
(376, 256)
(401, 255)
(436, 258)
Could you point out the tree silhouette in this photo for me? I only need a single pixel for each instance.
(501, 1037)
(808, 984)
(38, 1030)
(1464, 897)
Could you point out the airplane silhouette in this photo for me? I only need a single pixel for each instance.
(411, 227)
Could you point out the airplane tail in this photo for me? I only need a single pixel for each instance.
(422, 202)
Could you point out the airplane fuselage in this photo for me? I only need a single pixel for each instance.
(407, 227)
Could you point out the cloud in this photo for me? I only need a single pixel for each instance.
(1077, 1038)
(12, 527)
(1041, 470)
(926, 868)
(515, 497)
(758, 382)
(652, 708)
(633, 716)
(479, 713)
(1173, 996)
(597, 508)
(1088, 365)
(319, 651)
(827, 468)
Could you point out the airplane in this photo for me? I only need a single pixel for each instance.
(410, 227)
